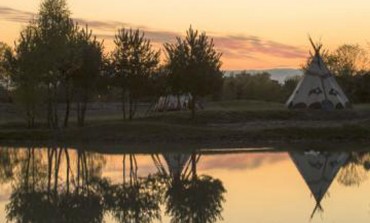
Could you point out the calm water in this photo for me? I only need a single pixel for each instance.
(66, 185)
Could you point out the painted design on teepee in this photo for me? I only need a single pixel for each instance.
(315, 91)
(318, 88)
(333, 92)
(318, 171)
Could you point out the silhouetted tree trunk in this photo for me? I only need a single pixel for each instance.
(50, 166)
(55, 108)
(124, 169)
(49, 108)
(30, 113)
(123, 99)
(82, 101)
(86, 172)
(56, 169)
(33, 169)
(68, 163)
(194, 165)
(67, 91)
(131, 107)
(78, 170)
(26, 181)
(68, 104)
(52, 107)
(193, 107)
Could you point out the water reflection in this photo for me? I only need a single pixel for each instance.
(39, 196)
(136, 199)
(354, 170)
(8, 160)
(318, 169)
(189, 197)
(62, 185)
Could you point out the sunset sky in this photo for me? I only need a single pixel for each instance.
(251, 34)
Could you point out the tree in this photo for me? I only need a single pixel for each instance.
(347, 60)
(85, 77)
(134, 61)
(25, 74)
(42, 61)
(71, 63)
(290, 84)
(4, 75)
(54, 27)
(194, 66)
(257, 86)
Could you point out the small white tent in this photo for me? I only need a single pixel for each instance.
(318, 88)
(318, 170)
(175, 103)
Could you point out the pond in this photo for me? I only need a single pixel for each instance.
(238, 185)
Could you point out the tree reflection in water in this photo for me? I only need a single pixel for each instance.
(190, 198)
(8, 162)
(354, 172)
(38, 196)
(136, 200)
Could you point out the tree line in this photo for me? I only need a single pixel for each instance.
(349, 63)
(57, 62)
(259, 86)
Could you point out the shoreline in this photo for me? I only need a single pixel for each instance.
(144, 135)
(224, 124)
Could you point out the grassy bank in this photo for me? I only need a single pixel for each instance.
(226, 124)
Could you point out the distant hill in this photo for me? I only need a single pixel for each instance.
(279, 74)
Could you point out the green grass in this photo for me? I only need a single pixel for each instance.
(176, 128)
(244, 105)
(151, 133)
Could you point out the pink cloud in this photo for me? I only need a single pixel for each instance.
(240, 161)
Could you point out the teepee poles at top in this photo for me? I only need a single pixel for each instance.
(317, 46)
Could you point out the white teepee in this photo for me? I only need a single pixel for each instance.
(318, 88)
(318, 170)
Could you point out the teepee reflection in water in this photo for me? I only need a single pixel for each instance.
(318, 170)
(189, 197)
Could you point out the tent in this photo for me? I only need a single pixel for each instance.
(318, 170)
(174, 103)
(318, 88)
(179, 166)
(176, 163)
